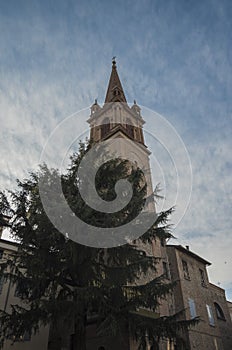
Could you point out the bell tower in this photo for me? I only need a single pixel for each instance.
(116, 119)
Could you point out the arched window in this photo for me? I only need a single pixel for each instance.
(219, 312)
(105, 127)
(116, 92)
(129, 128)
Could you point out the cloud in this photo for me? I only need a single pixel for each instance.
(174, 58)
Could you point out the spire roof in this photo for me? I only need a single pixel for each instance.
(115, 91)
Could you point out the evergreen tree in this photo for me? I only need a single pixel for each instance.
(63, 283)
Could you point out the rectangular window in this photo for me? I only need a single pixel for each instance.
(210, 315)
(202, 276)
(185, 270)
(192, 308)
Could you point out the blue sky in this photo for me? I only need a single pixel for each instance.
(173, 57)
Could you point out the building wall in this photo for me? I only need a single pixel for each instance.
(7, 297)
(229, 304)
(37, 342)
(217, 295)
(194, 294)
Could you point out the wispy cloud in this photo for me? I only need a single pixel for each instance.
(173, 57)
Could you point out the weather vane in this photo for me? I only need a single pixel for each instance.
(113, 59)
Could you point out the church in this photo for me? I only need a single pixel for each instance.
(193, 293)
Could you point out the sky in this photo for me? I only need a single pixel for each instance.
(173, 57)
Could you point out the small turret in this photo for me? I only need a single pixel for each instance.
(135, 108)
(95, 107)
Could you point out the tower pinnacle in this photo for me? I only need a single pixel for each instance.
(115, 91)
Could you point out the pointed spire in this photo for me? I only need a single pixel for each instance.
(115, 91)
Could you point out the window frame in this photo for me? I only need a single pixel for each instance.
(219, 312)
(202, 276)
(192, 308)
(210, 315)
(185, 270)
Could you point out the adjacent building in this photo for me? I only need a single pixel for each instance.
(8, 296)
(198, 297)
(229, 303)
